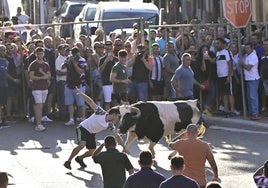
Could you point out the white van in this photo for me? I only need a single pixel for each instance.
(118, 10)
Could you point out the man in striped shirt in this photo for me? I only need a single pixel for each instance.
(261, 176)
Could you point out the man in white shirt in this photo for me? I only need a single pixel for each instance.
(87, 129)
(252, 79)
(22, 18)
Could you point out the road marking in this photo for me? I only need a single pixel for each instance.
(237, 130)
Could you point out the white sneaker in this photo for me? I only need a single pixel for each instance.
(40, 128)
(46, 119)
(71, 122)
(235, 112)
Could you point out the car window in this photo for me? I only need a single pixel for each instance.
(90, 14)
(110, 26)
(76, 9)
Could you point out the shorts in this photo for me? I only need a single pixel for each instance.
(83, 135)
(118, 97)
(40, 96)
(3, 96)
(71, 97)
(158, 87)
(107, 92)
(226, 88)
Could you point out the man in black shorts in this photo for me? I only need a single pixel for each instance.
(87, 129)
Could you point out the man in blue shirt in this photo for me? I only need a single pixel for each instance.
(178, 179)
(146, 177)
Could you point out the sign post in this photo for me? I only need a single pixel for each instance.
(238, 13)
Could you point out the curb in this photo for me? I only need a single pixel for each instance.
(235, 123)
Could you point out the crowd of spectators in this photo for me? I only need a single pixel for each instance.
(215, 64)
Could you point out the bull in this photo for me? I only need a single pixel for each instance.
(153, 120)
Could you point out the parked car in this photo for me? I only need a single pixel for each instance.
(87, 14)
(67, 13)
(118, 10)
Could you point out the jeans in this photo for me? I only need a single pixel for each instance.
(170, 91)
(252, 96)
(63, 112)
(138, 90)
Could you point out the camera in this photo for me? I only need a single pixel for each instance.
(140, 54)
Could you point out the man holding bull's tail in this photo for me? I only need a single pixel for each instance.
(100, 120)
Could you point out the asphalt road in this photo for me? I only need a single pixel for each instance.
(35, 159)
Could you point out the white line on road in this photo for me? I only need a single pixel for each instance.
(238, 130)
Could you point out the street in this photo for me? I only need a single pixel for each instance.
(35, 159)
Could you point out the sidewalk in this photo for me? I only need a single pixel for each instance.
(238, 122)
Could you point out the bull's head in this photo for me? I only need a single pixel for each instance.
(129, 116)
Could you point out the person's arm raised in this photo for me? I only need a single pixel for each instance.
(88, 100)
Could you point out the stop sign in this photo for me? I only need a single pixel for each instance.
(238, 12)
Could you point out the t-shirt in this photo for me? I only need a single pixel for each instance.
(184, 77)
(222, 59)
(114, 165)
(253, 73)
(73, 78)
(39, 84)
(171, 61)
(105, 74)
(121, 74)
(96, 122)
(180, 180)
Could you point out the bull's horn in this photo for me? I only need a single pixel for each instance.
(136, 110)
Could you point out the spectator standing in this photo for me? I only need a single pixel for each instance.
(3, 82)
(177, 166)
(224, 66)
(13, 83)
(61, 74)
(118, 77)
(157, 73)
(196, 157)
(252, 79)
(105, 67)
(95, 72)
(264, 70)
(146, 177)
(261, 176)
(87, 129)
(207, 64)
(118, 45)
(39, 74)
(22, 18)
(49, 57)
(113, 163)
(163, 40)
(138, 88)
(76, 66)
(171, 63)
(183, 80)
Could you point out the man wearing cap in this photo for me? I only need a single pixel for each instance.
(118, 77)
(105, 67)
(195, 152)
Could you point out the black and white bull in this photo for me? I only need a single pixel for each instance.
(154, 119)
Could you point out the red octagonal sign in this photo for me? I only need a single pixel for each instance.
(237, 12)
